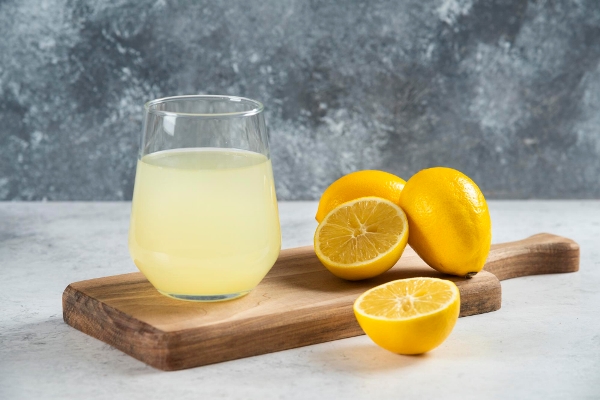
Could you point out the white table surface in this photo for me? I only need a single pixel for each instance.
(543, 343)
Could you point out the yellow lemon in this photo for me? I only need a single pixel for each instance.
(449, 220)
(359, 184)
(362, 238)
(409, 316)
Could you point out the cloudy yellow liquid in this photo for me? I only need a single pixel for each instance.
(204, 222)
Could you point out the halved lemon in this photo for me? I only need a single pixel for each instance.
(361, 238)
(409, 316)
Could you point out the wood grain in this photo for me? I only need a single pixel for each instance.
(297, 304)
(536, 255)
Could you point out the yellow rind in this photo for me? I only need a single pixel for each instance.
(359, 184)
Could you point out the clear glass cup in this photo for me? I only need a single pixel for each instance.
(204, 219)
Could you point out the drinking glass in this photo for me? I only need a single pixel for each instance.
(204, 220)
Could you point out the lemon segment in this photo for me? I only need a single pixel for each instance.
(360, 184)
(409, 316)
(361, 238)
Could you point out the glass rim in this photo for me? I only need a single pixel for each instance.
(256, 109)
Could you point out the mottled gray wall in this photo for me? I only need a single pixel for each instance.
(507, 91)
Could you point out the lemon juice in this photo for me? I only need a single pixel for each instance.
(204, 222)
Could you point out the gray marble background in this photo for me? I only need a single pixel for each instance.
(507, 91)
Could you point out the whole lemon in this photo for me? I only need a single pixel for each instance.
(449, 221)
(360, 184)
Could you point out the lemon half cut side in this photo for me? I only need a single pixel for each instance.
(409, 316)
(361, 238)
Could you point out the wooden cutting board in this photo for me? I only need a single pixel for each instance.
(297, 304)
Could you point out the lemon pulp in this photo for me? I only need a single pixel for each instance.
(362, 238)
